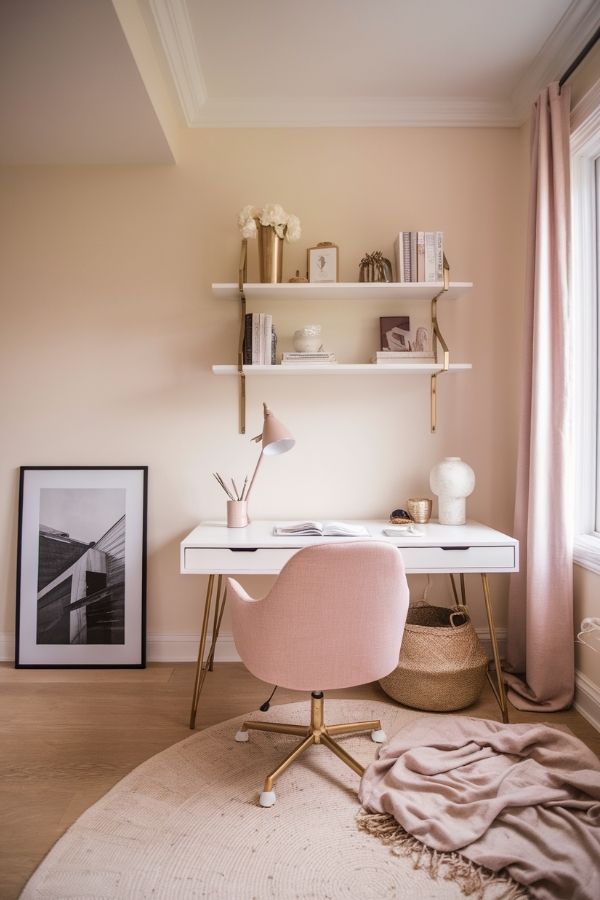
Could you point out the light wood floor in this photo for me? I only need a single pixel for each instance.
(69, 735)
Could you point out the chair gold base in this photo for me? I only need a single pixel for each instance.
(315, 733)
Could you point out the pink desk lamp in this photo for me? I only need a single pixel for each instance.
(275, 439)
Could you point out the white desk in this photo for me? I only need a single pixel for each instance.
(213, 549)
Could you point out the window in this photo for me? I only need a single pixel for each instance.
(585, 148)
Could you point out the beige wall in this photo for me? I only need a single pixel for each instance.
(109, 329)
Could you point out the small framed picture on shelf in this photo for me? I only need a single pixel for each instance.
(81, 568)
(395, 333)
(323, 263)
(401, 342)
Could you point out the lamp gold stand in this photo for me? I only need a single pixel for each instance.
(437, 336)
(315, 733)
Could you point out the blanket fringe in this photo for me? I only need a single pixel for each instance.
(472, 879)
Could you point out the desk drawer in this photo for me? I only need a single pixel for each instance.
(459, 559)
(266, 561)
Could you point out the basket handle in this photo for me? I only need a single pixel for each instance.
(463, 613)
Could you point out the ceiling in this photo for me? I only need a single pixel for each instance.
(105, 81)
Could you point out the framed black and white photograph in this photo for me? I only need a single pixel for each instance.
(81, 567)
(323, 263)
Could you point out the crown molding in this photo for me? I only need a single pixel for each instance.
(175, 31)
(374, 112)
(585, 118)
(576, 27)
(176, 35)
(174, 28)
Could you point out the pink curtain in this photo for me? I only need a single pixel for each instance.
(540, 622)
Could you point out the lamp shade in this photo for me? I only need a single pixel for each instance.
(276, 438)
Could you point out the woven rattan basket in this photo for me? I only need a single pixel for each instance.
(442, 664)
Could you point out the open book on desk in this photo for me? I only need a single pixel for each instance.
(326, 529)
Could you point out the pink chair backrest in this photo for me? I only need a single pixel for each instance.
(334, 618)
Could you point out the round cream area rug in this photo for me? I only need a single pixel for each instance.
(186, 824)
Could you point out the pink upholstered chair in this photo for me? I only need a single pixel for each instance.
(333, 619)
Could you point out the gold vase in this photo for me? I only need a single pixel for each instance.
(270, 254)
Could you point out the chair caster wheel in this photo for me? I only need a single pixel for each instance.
(267, 798)
(379, 736)
(241, 737)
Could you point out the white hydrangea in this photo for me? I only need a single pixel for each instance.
(293, 230)
(247, 221)
(285, 225)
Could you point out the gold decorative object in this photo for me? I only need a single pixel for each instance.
(375, 267)
(419, 509)
(298, 278)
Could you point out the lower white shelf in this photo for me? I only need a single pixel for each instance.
(344, 369)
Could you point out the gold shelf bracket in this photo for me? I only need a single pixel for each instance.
(438, 336)
(242, 275)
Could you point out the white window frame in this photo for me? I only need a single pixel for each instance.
(585, 188)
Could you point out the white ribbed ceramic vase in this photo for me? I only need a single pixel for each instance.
(452, 480)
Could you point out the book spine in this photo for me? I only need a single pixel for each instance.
(255, 339)
(420, 256)
(267, 330)
(399, 257)
(273, 347)
(413, 256)
(439, 255)
(248, 340)
(406, 255)
(430, 258)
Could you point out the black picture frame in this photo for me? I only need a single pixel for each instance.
(81, 575)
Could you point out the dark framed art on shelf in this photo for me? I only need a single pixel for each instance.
(399, 340)
(81, 567)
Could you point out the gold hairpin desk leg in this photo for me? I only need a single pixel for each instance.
(463, 595)
(202, 665)
(497, 688)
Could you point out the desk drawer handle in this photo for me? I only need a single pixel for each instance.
(243, 549)
(455, 548)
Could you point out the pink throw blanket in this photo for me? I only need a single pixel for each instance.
(524, 798)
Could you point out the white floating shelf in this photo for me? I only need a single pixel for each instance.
(343, 369)
(344, 290)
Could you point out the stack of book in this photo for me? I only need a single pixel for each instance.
(390, 357)
(260, 340)
(318, 358)
(420, 255)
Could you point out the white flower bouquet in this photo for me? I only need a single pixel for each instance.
(284, 224)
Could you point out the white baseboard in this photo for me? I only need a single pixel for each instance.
(484, 636)
(184, 647)
(587, 699)
(7, 646)
(159, 648)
